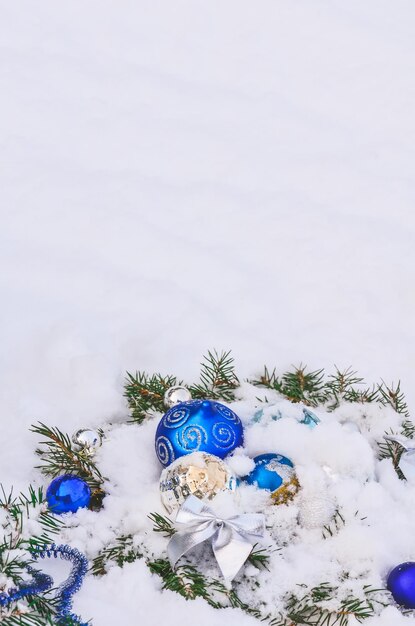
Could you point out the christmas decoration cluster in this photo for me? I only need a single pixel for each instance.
(229, 506)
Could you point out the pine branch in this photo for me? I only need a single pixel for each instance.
(259, 557)
(185, 580)
(362, 396)
(297, 385)
(23, 507)
(303, 386)
(394, 397)
(335, 524)
(191, 584)
(341, 385)
(343, 380)
(312, 609)
(59, 456)
(162, 524)
(218, 379)
(145, 393)
(13, 565)
(392, 450)
(41, 613)
(120, 552)
(236, 603)
(16, 555)
(311, 389)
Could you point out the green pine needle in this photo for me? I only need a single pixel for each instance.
(162, 524)
(145, 394)
(121, 551)
(218, 379)
(59, 456)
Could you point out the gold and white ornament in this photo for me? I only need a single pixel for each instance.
(199, 474)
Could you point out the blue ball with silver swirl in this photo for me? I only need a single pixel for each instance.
(198, 425)
(67, 494)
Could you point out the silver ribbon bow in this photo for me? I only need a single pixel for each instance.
(407, 461)
(232, 539)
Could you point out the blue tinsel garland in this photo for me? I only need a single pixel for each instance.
(41, 582)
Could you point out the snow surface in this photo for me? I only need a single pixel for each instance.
(178, 176)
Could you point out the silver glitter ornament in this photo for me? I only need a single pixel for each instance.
(200, 474)
(87, 440)
(176, 395)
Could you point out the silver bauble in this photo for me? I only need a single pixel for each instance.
(87, 440)
(176, 395)
(200, 474)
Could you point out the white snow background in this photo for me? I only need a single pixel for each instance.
(178, 176)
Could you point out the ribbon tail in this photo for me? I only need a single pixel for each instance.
(185, 540)
(231, 550)
(407, 465)
(405, 442)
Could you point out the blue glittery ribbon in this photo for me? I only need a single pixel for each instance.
(41, 582)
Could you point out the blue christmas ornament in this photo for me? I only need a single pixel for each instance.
(310, 418)
(258, 415)
(67, 494)
(275, 473)
(401, 584)
(198, 425)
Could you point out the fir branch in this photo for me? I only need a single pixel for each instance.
(343, 380)
(185, 580)
(311, 388)
(145, 394)
(303, 386)
(259, 557)
(21, 508)
(362, 396)
(341, 385)
(392, 450)
(268, 379)
(408, 429)
(311, 608)
(162, 524)
(41, 613)
(188, 582)
(16, 555)
(297, 385)
(394, 397)
(335, 524)
(218, 379)
(13, 565)
(120, 552)
(236, 603)
(59, 456)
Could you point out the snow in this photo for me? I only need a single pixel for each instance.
(182, 176)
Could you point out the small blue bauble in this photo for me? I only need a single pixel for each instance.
(67, 494)
(197, 425)
(310, 419)
(401, 584)
(275, 473)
